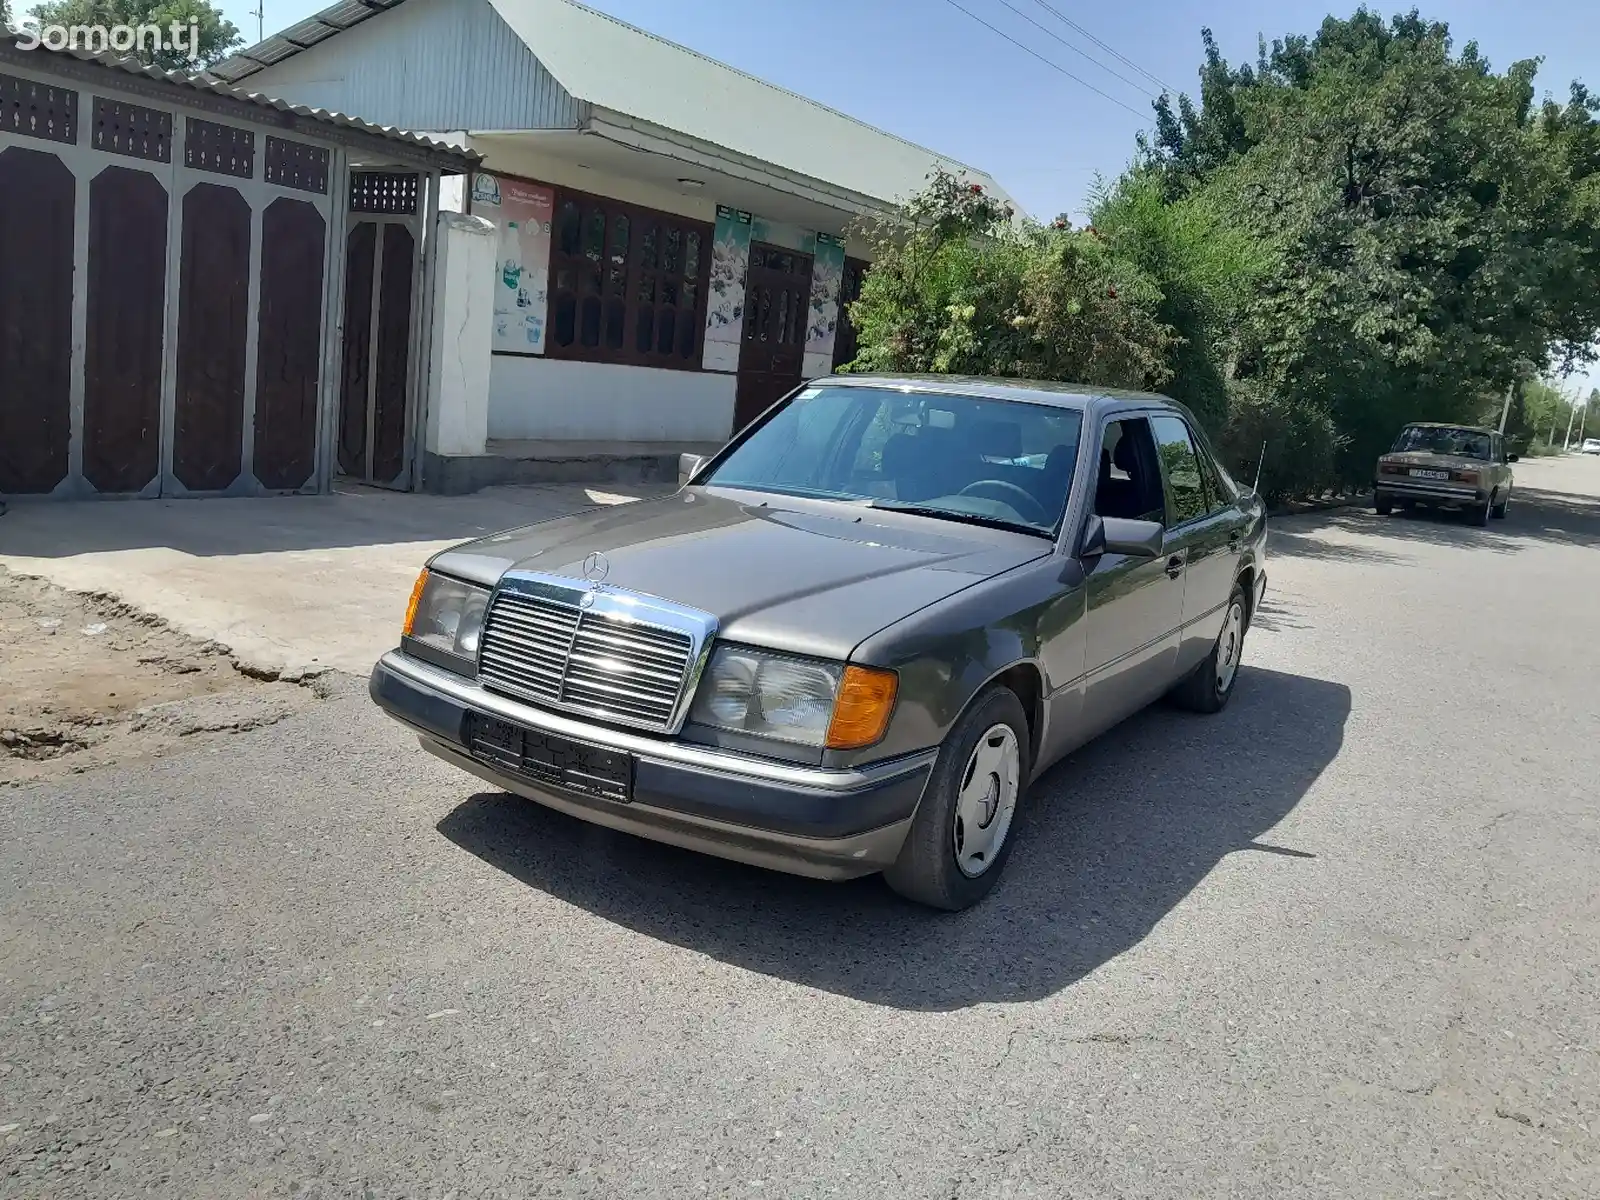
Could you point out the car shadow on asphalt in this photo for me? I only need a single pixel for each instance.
(1536, 516)
(1115, 838)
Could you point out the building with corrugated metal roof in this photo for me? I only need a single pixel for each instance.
(672, 247)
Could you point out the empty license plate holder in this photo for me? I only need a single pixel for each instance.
(551, 760)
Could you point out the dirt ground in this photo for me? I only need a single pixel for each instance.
(85, 680)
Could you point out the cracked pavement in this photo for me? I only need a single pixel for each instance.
(1342, 940)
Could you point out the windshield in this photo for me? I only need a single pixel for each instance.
(1433, 439)
(959, 457)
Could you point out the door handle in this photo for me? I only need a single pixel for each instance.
(1175, 566)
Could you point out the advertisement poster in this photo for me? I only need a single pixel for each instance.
(730, 261)
(827, 277)
(523, 212)
(777, 233)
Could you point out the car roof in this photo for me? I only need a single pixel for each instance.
(1077, 396)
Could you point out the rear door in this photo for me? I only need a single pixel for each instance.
(1205, 527)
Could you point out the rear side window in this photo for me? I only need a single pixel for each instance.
(1180, 464)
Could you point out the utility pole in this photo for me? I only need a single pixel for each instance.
(259, 12)
(1505, 410)
(1572, 415)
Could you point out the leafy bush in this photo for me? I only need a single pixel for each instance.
(959, 286)
(1295, 444)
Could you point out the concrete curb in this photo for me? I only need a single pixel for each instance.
(255, 667)
(1297, 508)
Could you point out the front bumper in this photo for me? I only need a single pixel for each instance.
(1402, 487)
(828, 824)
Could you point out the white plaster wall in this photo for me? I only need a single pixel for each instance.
(552, 399)
(510, 155)
(452, 193)
(463, 322)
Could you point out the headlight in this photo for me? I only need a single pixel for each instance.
(446, 615)
(794, 699)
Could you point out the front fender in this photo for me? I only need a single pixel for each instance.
(948, 653)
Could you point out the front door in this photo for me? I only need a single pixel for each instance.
(777, 305)
(1135, 604)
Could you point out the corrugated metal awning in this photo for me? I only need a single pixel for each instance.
(440, 154)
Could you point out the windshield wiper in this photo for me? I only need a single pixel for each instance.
(946, 514)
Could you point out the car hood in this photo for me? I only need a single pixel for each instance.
(1442, 462)
(798, 576)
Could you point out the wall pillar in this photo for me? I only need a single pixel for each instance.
(457, 424)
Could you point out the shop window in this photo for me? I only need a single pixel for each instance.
(627, 284)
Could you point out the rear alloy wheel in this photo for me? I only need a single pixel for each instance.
(962, 833)
(1499, 510)
(1208, 686)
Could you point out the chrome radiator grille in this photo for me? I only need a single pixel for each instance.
(571, 657)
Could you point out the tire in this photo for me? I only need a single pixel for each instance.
(1384, 504)
(1480, 516)
(1499, 510)
(1208, 686)
(928, 870)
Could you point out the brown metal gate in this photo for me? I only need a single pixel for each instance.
(381, 272)
(128, 217)
(777, 306)
(37, 193)
(165, 306)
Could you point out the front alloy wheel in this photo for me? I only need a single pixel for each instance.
(987, 800)
(966, 823)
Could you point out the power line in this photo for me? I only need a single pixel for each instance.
(1142, 89)
(1115, 53)
(1054, 66)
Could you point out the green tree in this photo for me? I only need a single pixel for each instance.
(1206, 270)
(216, 36)
(1433, 226)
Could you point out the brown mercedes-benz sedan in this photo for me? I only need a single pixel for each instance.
(855, 636)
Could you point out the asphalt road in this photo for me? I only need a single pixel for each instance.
(1342, 940)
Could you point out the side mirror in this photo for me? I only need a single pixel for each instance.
(689, 466)
(1512, 457)
(1118, 535)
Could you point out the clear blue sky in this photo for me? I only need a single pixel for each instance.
(928, 72)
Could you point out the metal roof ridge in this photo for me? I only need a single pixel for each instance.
(766, 83)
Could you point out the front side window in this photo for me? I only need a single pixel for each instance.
(1186, 491)
(1000, 462)
(1443, 439)
(1129, 483)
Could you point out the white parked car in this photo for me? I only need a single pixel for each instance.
(1590, 446)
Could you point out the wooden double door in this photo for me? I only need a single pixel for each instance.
(777, 310)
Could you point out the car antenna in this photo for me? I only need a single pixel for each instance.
(1255, 488)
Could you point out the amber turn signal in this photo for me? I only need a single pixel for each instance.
(416, 598)
(861, 713)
